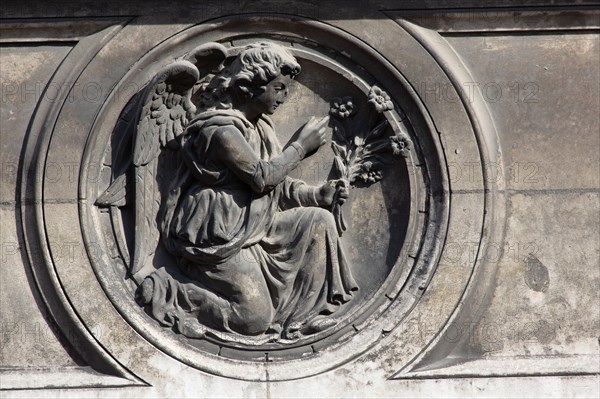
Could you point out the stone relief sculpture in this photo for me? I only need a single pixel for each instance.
(258, 254)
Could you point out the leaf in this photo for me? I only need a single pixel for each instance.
(339, 150)
(339, 132)
(379, 129)
(376, 146)
(340, 167)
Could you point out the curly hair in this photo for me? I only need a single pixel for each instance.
(255, 66)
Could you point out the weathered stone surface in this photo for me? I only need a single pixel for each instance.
(539, 92)
(29, 336)
(463, 262)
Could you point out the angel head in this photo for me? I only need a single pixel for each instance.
(256, 82)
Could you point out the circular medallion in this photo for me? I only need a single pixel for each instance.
(309, 288)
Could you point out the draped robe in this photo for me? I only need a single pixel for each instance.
(256, 254)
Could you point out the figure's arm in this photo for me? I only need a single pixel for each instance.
(297, 193)
(260, 175)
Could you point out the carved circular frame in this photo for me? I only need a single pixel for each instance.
(96, 307)
(410, 281)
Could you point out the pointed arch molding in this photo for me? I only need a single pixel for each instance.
(405, 327)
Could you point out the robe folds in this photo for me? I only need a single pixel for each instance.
(256, 254)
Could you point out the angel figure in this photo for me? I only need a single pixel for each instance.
(258, 256)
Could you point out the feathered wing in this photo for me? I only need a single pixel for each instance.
(164, 116)
(210, 59)
(165, 110)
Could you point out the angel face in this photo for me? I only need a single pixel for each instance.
(273, 96)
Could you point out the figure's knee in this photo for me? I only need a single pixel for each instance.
(323, 218)
(252, 311)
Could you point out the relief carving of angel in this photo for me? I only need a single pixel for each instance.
(257, 254)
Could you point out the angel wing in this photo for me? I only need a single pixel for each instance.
(165, 112)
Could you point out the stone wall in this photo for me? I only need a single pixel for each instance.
(476, 250)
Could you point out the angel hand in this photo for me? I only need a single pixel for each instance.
(312, 135)
(332, 192)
